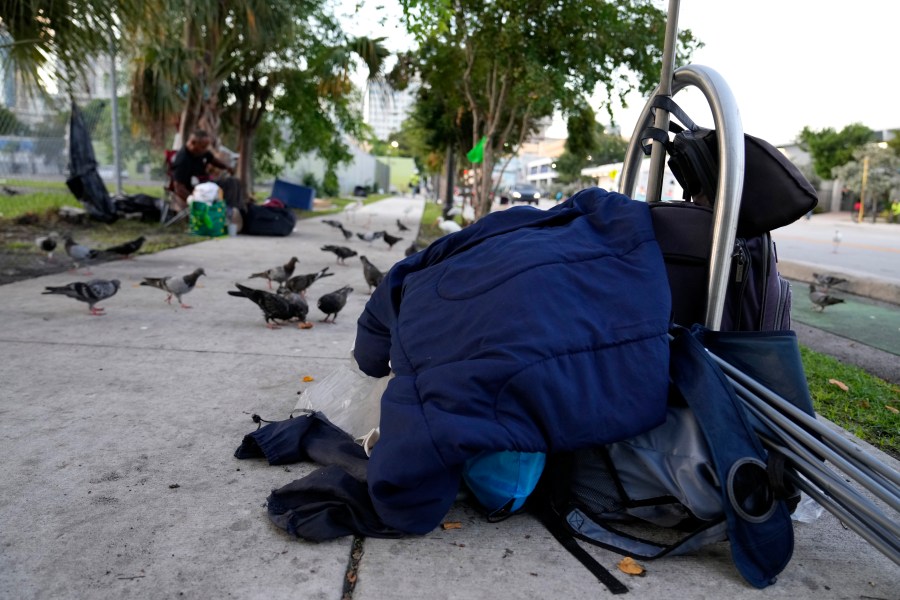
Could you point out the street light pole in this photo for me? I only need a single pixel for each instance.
(394, 146)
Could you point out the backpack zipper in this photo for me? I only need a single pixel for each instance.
(739, 256)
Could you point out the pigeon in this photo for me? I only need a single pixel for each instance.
(347, 234)
(92, 292)
(390, 239)
(10, 191)
(401, 226)
(332, 303)
(371, 273)
(333, 223)
(176, 286)
(299, 283)
(128, 248)
(80, 254)
(342, 252)
(280, 273)
(47, 244)
(370, 236)
(822, 299)
(825, 280)
(412, 249)
(275, 307)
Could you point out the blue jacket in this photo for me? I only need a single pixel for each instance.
(530, 330)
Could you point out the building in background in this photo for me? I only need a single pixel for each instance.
(385, 108)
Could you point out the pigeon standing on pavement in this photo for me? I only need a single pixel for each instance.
(275, 307)
(47, 244)
(390, 239)
(333, 223)
(821, 298)
(127, 249)
(347, 234)
(92, 292)
(342, 252)
(827, 281)
(299, 283)
(176, 286)
(80, 255)
(401, 226)
(370, 236)
(372, 274)
(280, 273)
(332, 303)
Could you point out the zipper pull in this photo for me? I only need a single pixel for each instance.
(740, 258)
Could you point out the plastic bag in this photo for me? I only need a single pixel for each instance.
(207, 193)
(348, 398)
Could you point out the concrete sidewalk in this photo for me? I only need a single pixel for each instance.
(119, 479)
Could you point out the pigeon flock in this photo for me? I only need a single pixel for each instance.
(284, 302)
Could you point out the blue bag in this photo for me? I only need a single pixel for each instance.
(502, 481)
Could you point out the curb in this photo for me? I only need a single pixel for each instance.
(859, 284)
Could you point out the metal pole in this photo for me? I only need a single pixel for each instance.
(451, 169)
(862, 193)
(117, 159)
(658, 151)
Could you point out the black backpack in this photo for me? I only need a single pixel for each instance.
(664, 481)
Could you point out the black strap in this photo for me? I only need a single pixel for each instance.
(667, 104)
(553, 523)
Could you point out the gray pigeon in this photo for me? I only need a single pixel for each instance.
(280, 273)
(369, 236)
(80, 254)
(332, 303)
(825, 280)
(342, 252)
(822, 299)
(92, 292)
(275, 307)
(300, 283)
(47, 243)
(347, 234)
(176, 286)
(390, 239)
(371, 273)
(127, 249)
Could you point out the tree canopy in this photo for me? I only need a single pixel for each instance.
(829, 148)
(509, 64)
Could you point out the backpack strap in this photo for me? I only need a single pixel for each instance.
(759, 526)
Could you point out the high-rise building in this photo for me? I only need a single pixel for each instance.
(386, 108)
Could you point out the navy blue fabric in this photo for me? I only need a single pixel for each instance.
(326, 504)
(308, 437)
(761, 548)
(530, 330)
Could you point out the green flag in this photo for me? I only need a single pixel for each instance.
(476, 154)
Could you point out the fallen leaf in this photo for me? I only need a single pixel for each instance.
(305, 325)
(307, 379)
(627, 565)
(840, 384)
(451, 525)
(892, 409)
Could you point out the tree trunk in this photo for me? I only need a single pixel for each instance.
(246, 133)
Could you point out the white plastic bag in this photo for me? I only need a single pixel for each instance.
(207, 192)
(348, 398)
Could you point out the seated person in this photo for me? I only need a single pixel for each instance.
(190, 164)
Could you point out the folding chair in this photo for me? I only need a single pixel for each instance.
(169, 195)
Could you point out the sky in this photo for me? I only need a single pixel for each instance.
(789, 64)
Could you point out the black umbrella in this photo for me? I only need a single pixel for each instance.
(84, 182)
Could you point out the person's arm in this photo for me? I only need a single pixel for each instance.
(214, 161)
